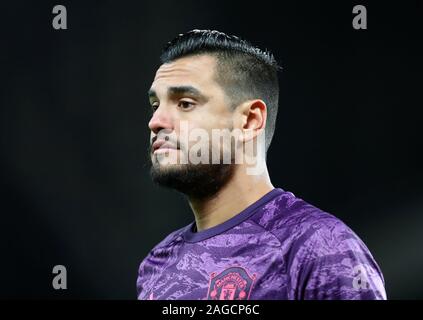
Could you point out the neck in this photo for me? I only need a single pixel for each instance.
(239, 193)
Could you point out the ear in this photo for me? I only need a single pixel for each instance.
(253, 119)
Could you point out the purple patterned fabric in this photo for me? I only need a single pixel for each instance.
(280, 247)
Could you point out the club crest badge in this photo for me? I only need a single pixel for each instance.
(233, 283)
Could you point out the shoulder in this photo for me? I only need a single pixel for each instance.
(311, 231)
(170, 239)
(326, 259)
(291, 218)
(161, 249)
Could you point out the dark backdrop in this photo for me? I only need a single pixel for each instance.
(75, 188)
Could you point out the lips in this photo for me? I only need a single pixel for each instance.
(162, 144)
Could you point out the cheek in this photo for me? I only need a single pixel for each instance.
(210, 121)
(203, 121)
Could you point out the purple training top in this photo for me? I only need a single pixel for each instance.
(280, 247)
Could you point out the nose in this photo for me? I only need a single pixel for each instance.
(160, 120)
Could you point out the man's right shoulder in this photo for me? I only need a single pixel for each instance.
(171, 238)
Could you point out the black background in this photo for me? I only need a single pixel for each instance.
(75, 188)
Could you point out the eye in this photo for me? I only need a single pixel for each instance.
(185, 104)
(154, 106)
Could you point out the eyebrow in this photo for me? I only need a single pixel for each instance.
(181, 90)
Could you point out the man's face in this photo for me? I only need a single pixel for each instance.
(185, 97)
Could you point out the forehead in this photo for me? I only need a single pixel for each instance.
(197, 70)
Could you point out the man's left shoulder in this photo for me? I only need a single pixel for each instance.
(309, 230)
(289, 215)
(326, 258)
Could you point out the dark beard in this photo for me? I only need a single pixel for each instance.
(196, 181)
(200, 181)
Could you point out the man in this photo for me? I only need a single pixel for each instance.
(249, 239)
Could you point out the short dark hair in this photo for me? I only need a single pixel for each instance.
(244, 71)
